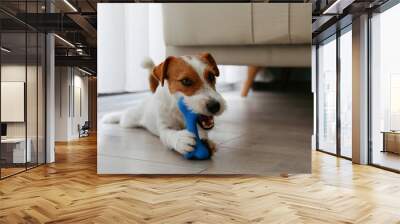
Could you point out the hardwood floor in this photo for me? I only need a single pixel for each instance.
(70, 191)
(11, 170)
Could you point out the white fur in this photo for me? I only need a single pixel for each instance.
(160, 115)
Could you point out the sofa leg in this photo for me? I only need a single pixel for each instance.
(251, 75)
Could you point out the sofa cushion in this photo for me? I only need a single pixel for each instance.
(271, 23)
(300, 23)
(197, 24)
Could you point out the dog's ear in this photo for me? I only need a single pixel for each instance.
(160, 71)
(207, 58)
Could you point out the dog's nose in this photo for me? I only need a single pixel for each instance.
(213, 106)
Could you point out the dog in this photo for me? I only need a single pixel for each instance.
(192, 77)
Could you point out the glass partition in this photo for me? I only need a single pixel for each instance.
(15, 150)
(23, 89)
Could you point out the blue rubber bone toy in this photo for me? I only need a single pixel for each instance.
(200, 151)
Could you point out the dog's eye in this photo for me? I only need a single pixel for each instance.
(211, 78)
(187, 82)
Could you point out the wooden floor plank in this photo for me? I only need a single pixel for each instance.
(70, 191)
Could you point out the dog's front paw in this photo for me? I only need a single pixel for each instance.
(210, 145)
(185, 141)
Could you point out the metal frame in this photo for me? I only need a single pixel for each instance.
(338, 98)
(45, 89)
(369, 78)
(37, 91)
(317, 97)
(26, 90)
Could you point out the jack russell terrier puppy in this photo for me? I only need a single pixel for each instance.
(191, 77)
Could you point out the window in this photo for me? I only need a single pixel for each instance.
(346, 92)
(327, 95)
(385, 89)
(335, 137)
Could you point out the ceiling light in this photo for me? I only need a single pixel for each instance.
(70, 5)
(337, 7)
(5, 50)
(84, 71)
(328, 10)
(79, 51)
(65, 41)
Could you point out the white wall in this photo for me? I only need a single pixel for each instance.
(67, 115)
(62, 81)
(83, 83)
(79, 110)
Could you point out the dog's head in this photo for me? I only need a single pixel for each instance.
(194, 78)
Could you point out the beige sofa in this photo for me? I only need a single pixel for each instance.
(254, 34)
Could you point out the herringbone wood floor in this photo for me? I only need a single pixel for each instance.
(70, 191)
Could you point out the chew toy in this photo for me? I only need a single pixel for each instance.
(200, 151)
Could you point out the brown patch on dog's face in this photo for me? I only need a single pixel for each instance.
(182, 77)
(160, 71)
(212, 71)
(209, 77)
(211, 64)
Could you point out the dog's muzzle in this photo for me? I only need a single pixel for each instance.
(206, 122)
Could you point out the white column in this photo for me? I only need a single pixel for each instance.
(360, 90)
(50, 99)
